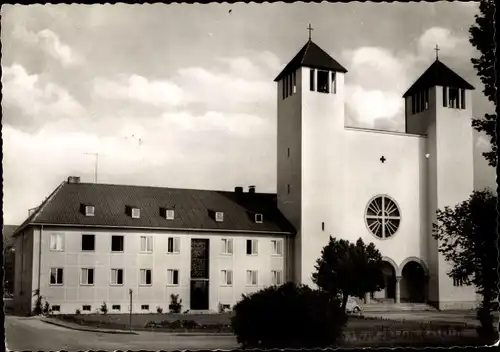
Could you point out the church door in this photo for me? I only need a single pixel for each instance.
(199, 274)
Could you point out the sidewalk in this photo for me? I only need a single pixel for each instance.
(75, 326)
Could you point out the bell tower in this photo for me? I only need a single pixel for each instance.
(439, 105)
(310, 153)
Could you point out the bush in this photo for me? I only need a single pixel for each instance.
(175, 305)
(46, 308)
(288, 316)
(78, 312)
(159, 310)
(104, 308)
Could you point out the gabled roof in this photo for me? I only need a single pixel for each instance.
(193, 209)
(312, 56)
(438, 74)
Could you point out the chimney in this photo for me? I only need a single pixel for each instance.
(251, 189)
(238, 190)
(73, 179)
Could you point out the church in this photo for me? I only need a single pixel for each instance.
(133, 247)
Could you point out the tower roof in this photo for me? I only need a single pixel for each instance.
(438, 74)
(311, 55)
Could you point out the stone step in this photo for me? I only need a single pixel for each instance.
(386, 307)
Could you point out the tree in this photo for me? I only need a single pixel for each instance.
(468, 239)
(349, 269)
(482, 38)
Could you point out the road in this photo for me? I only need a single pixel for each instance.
(31, 334)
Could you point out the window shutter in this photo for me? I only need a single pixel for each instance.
(177, 244)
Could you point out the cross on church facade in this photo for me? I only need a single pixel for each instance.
(383, 159)
(310, 29)
(436, 50)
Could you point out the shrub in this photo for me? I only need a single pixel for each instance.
(175, 305)
(104, 308)
(38, 309)
(78, 312)
(159, 310)
(288, 316)
(46, 308)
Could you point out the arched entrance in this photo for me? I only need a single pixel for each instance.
(388, 294)
(413, 285)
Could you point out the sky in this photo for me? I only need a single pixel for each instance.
(183, 95)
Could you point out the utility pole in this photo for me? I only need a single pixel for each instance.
(96, 164)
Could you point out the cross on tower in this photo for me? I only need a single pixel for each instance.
(310, 29)
(383, 159)
(436, 50)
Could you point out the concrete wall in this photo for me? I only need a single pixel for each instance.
(72, 295)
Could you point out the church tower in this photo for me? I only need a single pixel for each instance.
(310, 153)
(439, 105)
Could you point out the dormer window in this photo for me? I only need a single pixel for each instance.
(89, 210)
(134, 212)
(259, 218)
(170, 214)
(219, 216)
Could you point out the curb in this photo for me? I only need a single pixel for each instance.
(81, 328)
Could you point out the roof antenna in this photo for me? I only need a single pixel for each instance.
(96, 164)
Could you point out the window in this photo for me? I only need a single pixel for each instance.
(56, 308)
(227, 277)
(288, 188)
(251, 278)
(462, 98)
(383, 217)
(88, 242)
(259, 218)
(87, 276)
(219, 216)
(116, 243)
(173, 245)
(136, 213)
(322, 226)
(116, 307)
(56, 276)
(323, 82)
(277, 247)
(311, 79)
(445, 98)
(172, 277)
(116, 276)
(426, 99)
(146, 277)
(283, 89)
(89, 210)
(86, 308)
(56, 242)
(251, 247)
(276, 277)
(294, 81)
(146, 244)
(227, 246)
(458, 282)
(145, 307)
(170, 214)
(334, 83)
(286, 87)
(453, 98)
(288, 151)
(422, 101)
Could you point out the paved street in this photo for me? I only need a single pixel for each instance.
(23, 333)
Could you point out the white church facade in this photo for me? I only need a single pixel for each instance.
(92, 243)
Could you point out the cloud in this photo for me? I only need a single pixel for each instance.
(378, 77)
(39, 102)
(50, 43)
(137, 88)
